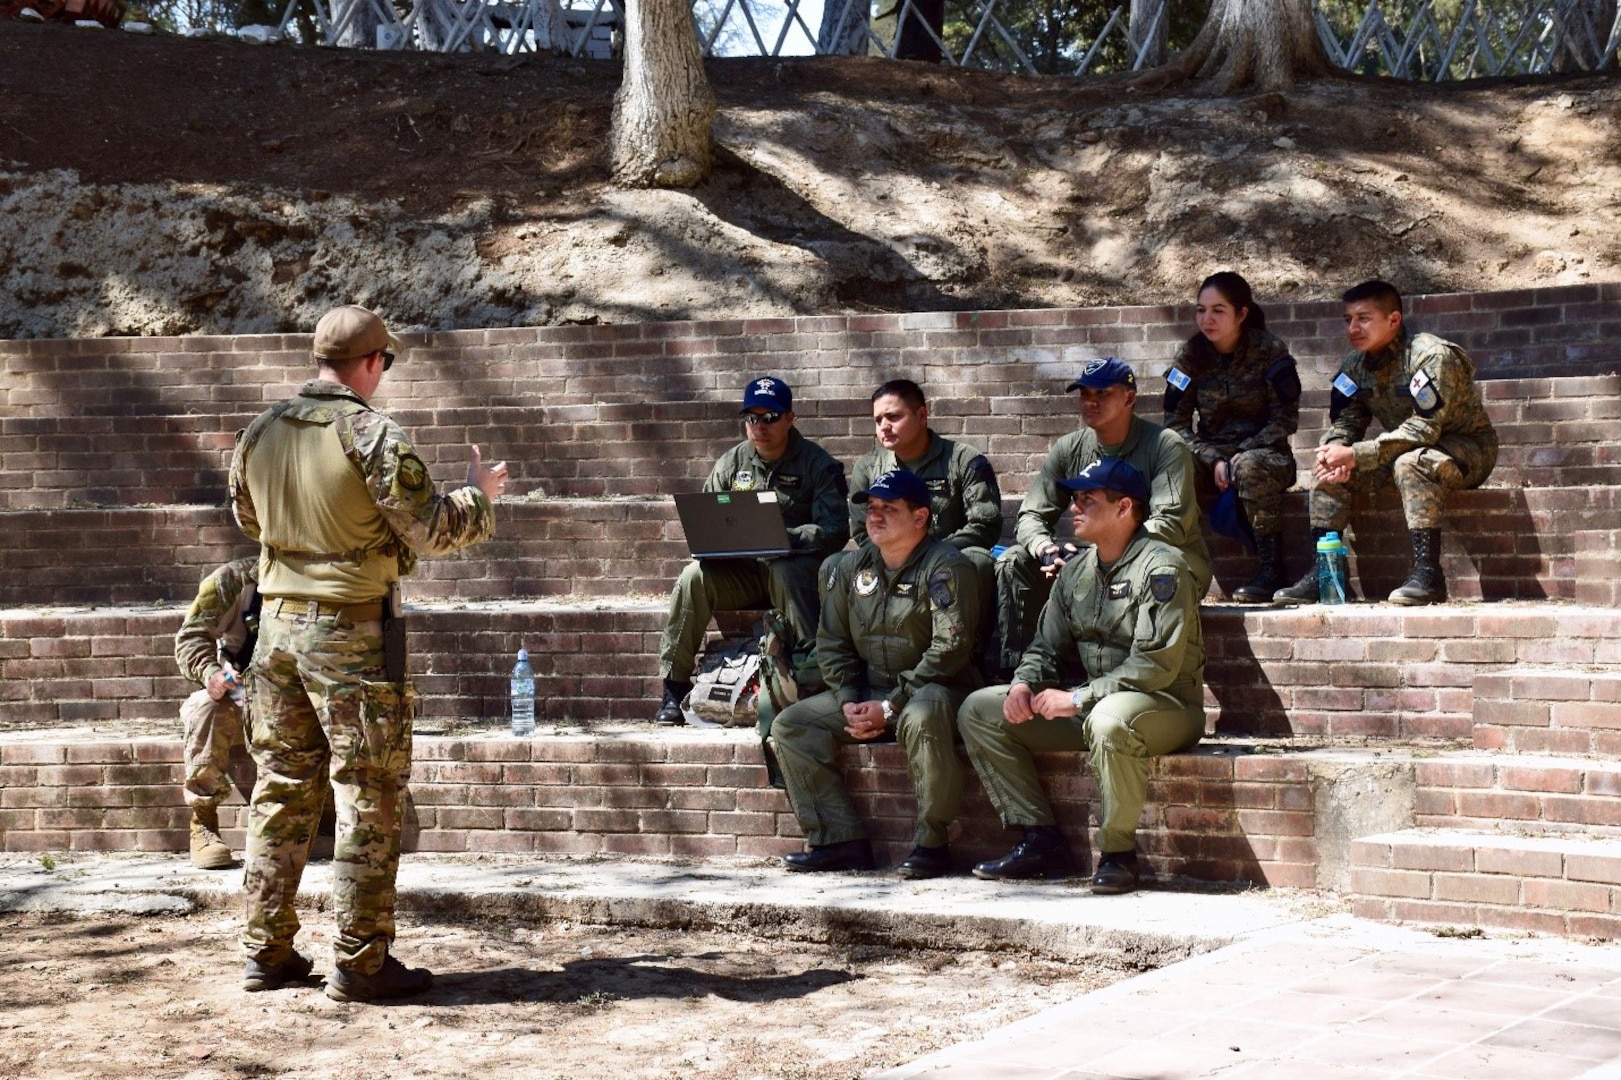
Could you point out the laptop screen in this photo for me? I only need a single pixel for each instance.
(732, 524)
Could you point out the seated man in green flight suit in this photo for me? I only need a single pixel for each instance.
(896, 643)
(1127, 607)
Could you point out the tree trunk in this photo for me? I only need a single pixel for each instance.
(1150, 45)
(664, 107)
(1262, 45)
(844, 28)
(1583, 35)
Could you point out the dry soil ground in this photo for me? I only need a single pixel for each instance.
(113, 997)
(163, 186)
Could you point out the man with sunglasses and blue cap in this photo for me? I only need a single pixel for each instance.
(811, 490)
(341, 506)
(1107, 391)
(1126, 607)
(896, 646)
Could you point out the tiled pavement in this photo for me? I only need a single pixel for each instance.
(1334, 999)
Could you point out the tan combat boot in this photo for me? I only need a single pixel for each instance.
(208, 850)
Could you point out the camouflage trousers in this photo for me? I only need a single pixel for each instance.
(1423, 477)
(808, 735)
(1120, 734)
(322, 714)
(212, 730)
(787, 584)
(1260, 477)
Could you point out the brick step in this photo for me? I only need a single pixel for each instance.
(1597, 562)
(1563, 885)
(1561, 710)
(1500, 543)
(1363, 671)
(1505, 792)
(1554, 432)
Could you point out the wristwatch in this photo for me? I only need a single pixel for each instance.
(1077, 698)
(889, 710)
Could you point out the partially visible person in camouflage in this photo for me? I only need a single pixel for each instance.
(1110, 428)
(896, 646)
(341, 506)
(1242, 384)
(965, 500)
(213, 647)
(1437, 437)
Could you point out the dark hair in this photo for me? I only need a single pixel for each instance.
(1236, 291)
(1139, 508)
(905, 389)
(1381, 294)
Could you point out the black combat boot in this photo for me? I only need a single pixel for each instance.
(1041, 854)
(675, 692)
(1424, 585)
(1268, 567)
(390, 982)
(1116, 873)
(845, 855)
(1303, 591)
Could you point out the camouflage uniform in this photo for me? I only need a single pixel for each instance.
(904, 636)
(1135, 628)
(341, 506)
(1436, 436)
(216, 632)
(1248, 406)
(1173, 517)
(812, 490)
(965, 504)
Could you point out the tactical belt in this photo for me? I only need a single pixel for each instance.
(291, 607)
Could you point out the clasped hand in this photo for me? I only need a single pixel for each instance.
(864, 720)
(1335, 464)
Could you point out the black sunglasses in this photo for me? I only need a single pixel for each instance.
(762, 417)
(388, 359)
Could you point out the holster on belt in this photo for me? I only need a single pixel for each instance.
(394, 636)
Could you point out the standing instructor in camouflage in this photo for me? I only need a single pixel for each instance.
(1437, 437)
(341, 506)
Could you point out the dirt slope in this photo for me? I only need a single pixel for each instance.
(164, 186)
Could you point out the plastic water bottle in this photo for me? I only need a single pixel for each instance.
(1333, 569)
(523, 696)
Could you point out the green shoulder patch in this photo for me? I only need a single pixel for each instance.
(412, 475)
(1162, 586)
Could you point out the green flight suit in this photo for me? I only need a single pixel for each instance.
(965, 505)
(904, 636)
(1437, 436)
(1248, 406)
(1135, 628)
(1173, 517)
(812, 491)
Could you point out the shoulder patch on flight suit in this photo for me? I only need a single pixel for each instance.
(940, 590)
(413, 475)
(1426, 399)
(1162, 586)
(866, 583)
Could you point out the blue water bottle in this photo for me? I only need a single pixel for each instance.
(1333, 569)
(523, 696)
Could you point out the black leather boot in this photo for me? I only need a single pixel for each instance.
(675, 692)
(1041, 854)
(1303, 591)
(845, 855)
(1424, 585)
(1268, 568)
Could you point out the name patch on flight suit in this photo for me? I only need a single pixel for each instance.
(866, 583)
(1119, 590)
(940, 590)
(1162, 586)
(904, 589)
(1425, 397)
(744, 481)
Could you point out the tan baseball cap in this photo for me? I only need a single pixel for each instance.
(350, 332)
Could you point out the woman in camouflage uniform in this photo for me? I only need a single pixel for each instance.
(1241, 383)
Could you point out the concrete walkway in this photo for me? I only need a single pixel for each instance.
(1252, 985)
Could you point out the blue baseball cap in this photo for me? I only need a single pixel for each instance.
(1104, 372)
(768, 393)
(1112, 474)
(896, 484)
(1227, 517)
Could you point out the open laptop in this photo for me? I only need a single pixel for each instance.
(732, 524)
